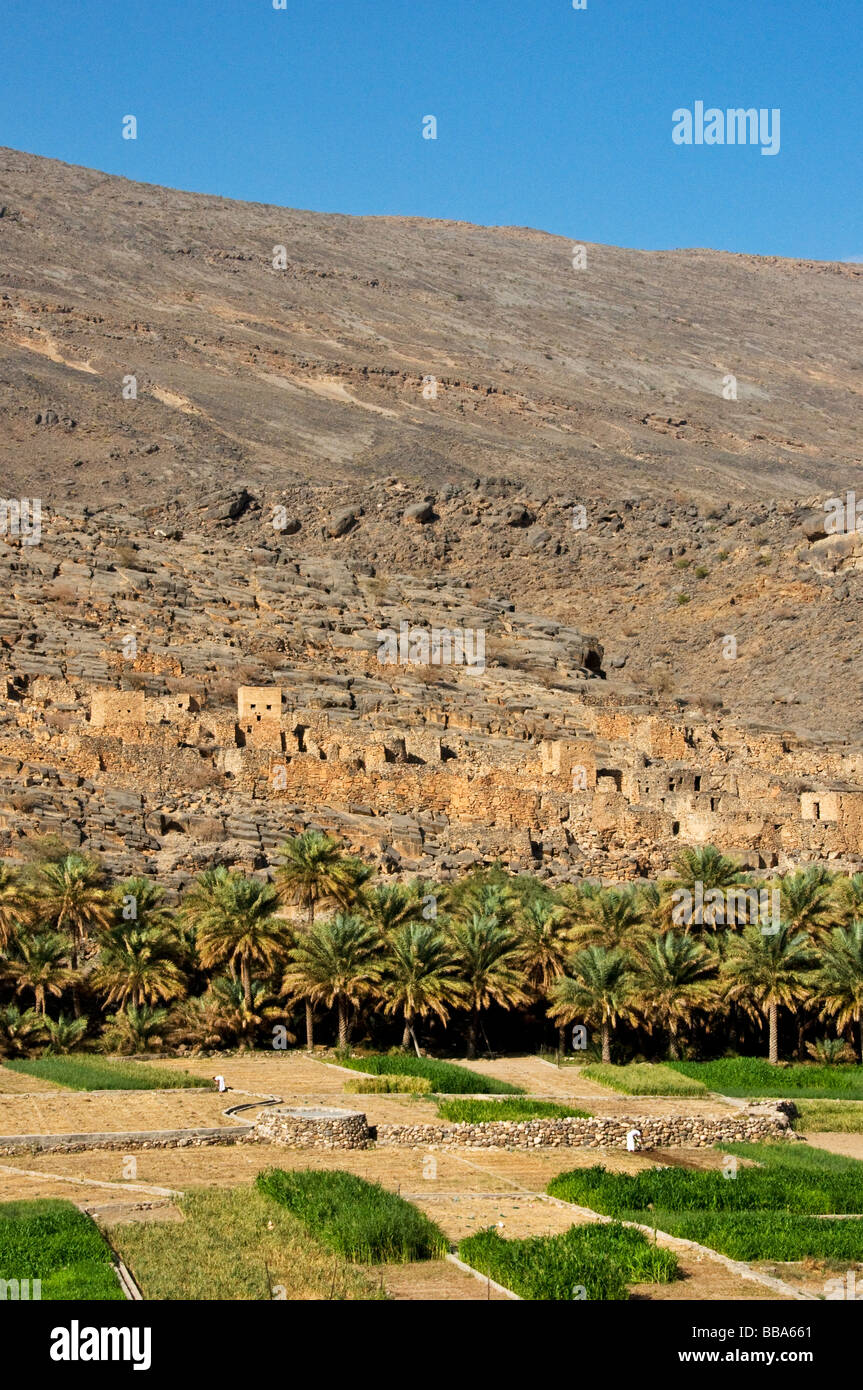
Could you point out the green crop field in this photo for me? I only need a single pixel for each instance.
(644, 1079)
(474, 1112)
(753, 1076)
(54, 1242)
(84, 1073)
(447, 1078)
(596, 1262)
(360, 1220)
(235, 1244)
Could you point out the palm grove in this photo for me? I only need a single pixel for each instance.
(239, 960)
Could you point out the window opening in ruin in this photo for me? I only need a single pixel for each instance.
(612, 774)
(675, 827)
(698, 786)
(816, 810)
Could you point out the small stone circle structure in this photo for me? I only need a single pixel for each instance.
(313, 1127)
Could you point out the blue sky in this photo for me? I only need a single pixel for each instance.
(547, 116)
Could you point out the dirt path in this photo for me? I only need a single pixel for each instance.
(434, 1281)
(848, 1145)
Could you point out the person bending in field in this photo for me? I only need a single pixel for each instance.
(220, 1083)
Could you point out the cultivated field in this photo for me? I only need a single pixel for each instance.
(461, 1191)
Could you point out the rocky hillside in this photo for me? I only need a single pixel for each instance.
(262, 436)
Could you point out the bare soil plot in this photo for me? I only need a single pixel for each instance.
(90, 1112)
(849, 1145)
(540, 1078)
(15, 1083)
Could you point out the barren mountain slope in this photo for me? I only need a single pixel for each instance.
(458, 425)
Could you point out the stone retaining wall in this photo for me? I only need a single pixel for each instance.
(654, 1132)
(123, 1141)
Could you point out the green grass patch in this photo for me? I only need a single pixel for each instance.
(754, 1076)
(766, 1235)
(475, 1112)
(782, 1187)
(764, 1213)
(360, 1220)
(826, 1116)
(235, 1245)
(644, 1079)
(390, 1085)
(85, 1073)
(778, 1153)
(603, 1260)
(54, 1242)
(446, 1078)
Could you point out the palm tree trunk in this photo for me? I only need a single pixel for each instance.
(774, 1033)
(673, 1049)
(76, 998)
(606, 1041)
(561, 1039)
(416, 1044)
(406, 1034)
(310, 1017)
(471, 1033)
(246, 977)
(343, 1024)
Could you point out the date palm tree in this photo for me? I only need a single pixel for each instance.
(64, 1033)
(545, 931)
(674, 978)
(69, 896)
(392, 905)
(849, 899)
(139, 965)
(233, 1011)
(808, 900)
(240, 928)
(141, 901)
(314, 869)
(136, 1028)
(13, 903)
(839, 981)
(419, 978)
(41, 964)
(597, 990)
(337, 961)
(486, 957)
(702, 865)
(19, 1030)
(767, 972)
(485, 893)
(612, 917)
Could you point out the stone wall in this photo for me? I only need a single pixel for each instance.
(324, 1128)
(655, 1132)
